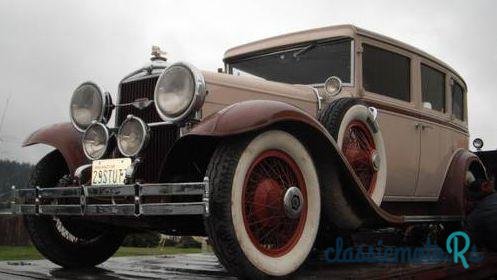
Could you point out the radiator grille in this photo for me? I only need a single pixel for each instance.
(130, 91)
(162, 137)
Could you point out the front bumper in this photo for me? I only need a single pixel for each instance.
(45, 201)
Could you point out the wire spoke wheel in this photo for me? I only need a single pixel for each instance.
(272, 176)
(265, 204)
(359, 149)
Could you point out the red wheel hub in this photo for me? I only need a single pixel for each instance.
(268, 193)
(359, 149)
(269, 178)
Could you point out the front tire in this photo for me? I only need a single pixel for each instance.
(66, 242)
(265, 204)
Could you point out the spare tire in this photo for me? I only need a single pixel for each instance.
(352, 124)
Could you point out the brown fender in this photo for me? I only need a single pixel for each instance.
(254, 115)
(452, 194)
(251, 115)
(63, 137)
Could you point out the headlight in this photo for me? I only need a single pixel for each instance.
(89, 103)
(132, 136)
(333, 85)
(179, 91)
(95, 141)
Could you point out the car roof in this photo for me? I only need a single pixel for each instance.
(323, 33)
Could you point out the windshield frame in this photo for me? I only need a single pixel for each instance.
(228, 68)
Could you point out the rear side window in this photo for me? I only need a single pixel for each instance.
(457, 101)
(386, 73)
(433, 88)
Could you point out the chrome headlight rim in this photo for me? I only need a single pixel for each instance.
(144, 141)
(107, 140)
(105, 110)
(198, 94)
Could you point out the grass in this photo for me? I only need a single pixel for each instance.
(10, 253)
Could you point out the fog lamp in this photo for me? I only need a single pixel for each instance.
(95, 141)
(132, 136)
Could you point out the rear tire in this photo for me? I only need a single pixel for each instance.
(253, 232)
(350, 123)
(63, 241)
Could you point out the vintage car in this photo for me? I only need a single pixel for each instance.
(299, 138)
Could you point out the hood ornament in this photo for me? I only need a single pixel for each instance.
(158, 54)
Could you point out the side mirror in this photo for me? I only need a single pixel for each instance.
(333, 85)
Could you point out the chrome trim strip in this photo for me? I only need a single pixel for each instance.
(160, 123)
(184, 189)
(112, 191)
(158, 209)
(434, 218)
(61, 192)
(59, 210)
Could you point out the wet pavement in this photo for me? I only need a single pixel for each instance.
(193, 266)
(206, 266)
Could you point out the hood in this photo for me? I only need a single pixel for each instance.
(224, 90)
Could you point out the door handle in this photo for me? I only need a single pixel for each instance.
(423, 126)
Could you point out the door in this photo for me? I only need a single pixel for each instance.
(387, 81)
(435, 144)
(402, 144)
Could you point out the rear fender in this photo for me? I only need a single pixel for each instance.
(451, 200)
(63, 137)
(349, 204)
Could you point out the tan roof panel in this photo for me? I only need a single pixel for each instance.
(323, 33)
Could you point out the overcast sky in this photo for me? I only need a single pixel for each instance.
(48, 47)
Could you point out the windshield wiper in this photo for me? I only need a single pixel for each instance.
(304, 50)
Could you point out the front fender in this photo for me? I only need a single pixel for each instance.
(252, 115)
(349, 196)
(63, 137)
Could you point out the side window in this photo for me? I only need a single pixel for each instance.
(386, 73)
(457, 101)
(433, 88)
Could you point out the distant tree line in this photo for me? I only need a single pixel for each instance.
(13, 173)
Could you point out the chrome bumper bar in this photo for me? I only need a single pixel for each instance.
(136, 191)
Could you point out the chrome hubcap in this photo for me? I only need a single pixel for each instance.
(375, 160)
(293, 202)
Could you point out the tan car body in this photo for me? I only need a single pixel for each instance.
(420, 143)
(426, 150)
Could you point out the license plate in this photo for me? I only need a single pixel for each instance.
(109, 171)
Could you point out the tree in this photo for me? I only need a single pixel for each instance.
(13, 173)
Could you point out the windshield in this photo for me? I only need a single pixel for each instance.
(312, 63)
